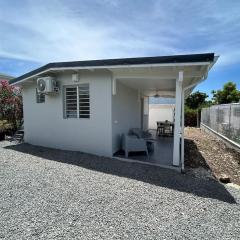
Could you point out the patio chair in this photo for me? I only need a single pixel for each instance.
(146, 135)
(132, 143)
(167, 128)
(160, 128)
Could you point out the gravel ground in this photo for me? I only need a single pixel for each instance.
(53, 194)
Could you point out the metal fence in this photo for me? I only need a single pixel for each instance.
(224, 119)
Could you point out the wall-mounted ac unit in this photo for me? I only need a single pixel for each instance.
(47, 85)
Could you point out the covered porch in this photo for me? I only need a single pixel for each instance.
(160, 153)
(166, 80)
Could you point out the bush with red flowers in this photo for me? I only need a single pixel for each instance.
(10, 105)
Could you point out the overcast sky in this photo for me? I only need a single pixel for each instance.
(34, 32)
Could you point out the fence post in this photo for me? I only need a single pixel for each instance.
(197, 119)
(230, 113)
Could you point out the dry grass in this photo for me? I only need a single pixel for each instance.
(203, 149)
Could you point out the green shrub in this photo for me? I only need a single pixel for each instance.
(5, 126)
(191, 116)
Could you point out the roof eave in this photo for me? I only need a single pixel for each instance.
(111, 67)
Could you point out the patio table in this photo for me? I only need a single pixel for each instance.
(162, 124)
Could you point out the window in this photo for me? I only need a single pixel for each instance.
(40, 97)
(77, 101)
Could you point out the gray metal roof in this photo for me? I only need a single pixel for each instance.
(189, 58)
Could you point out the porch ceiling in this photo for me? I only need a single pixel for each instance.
(149, 86)
(161, 79)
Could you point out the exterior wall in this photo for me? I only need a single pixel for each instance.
(125, 113)
(44, 124)
(160, 112)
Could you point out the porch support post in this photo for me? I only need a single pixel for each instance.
(145, 112)
(183, 125)
(114, 86)
(177, 123)
(146, 106)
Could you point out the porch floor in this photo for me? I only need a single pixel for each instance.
(162, 153)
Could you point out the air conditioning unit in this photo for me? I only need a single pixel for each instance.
(47, 85)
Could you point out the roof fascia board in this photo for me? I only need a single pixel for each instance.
(193, 85)
(115, 66)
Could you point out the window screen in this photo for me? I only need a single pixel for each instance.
(71, 102)
(40, 97)
(84, 101)
(77, 101)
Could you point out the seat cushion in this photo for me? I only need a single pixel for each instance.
(135, 132)
(139, 133)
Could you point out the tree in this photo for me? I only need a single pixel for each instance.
(196, 100)
(193, 104)
(229, 94)
(10, 103)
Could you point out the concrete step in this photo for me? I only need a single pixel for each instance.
(18, 136)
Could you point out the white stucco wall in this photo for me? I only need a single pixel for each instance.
(44, 124)
(160, 112)
(125, 113)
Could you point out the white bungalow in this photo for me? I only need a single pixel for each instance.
(88, 105)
